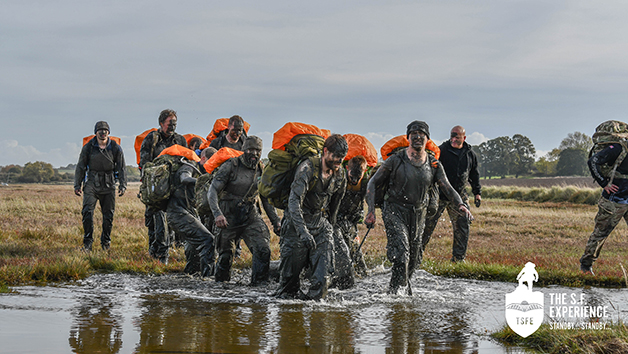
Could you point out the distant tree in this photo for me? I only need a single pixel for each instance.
(523, 159)
(572, 162)
(497, 156)
(576, 140)
(14, 169)
(546, 167)
(37, 172)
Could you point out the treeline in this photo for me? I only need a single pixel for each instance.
(43, 172)
(516, 156)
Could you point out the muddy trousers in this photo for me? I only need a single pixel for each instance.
(608, 216)
(459, 223)
(404, 227)
(257, 238)
(199, 242)
(158, 236)
(343, 276)
(107, 202)
(349, 232)
(295, 256)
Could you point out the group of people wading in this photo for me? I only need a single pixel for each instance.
(319, 225)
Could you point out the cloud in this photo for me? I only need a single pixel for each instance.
(476, 138)
(14, 153)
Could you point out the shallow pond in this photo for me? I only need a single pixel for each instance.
(116, 313)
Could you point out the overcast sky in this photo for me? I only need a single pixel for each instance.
(538, 68)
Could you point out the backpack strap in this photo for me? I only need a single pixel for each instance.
(618, 161)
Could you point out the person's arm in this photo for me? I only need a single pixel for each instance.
(336, 198)
(379, 178)
(450, 192)
(474, 178)
(146, 150)
(607, 156)
(81, 167)
(120, 169)
(298, 190)
(186, 176)
(271, 212)
(219, 182)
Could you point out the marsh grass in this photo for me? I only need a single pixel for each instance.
(41, 235)
(556, 194)
(613, 339)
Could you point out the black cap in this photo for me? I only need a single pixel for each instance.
(418, 126)
(101, 125)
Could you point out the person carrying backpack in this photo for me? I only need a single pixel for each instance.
(613, 205)
(154, 143)
(234, 137)
(233, 200)
(409, 175)
(100, 164)
(307, 229)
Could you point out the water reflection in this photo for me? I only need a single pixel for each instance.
(97, 325)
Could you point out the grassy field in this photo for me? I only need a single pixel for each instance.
(41, 235)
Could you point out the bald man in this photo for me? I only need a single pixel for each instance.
(461, 166)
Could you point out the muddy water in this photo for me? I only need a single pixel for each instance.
(117, 313)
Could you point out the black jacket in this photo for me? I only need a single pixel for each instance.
(155, 143)
(608, 156)
(461, 166)
(102, 167)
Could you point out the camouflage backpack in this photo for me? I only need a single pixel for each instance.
(200, 193)
(278, 175)
(611, 132)
(157, 180)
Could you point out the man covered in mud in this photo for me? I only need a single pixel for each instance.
(461, 167)
(232, 197)
(152, 146)
(613, 206)
(351, 211)
(182, 218)
(233, 137)
(307, 229)
(100, 164)
(408, 176)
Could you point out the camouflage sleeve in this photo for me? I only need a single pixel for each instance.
(336, 198)
(298, 190)
(81, 166)
(607, 156)
(443, 184)
(146, 150)
(219, 182)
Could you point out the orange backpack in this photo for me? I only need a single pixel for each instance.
(222, 155)
(220, 125)
(178, 150)
(138, 142)
(395, 144)
(359, 145)
(292, 129)
(88, 138)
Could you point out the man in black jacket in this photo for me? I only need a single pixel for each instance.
(461, 166)
(100, 164)
(152, 146)
(234, 137)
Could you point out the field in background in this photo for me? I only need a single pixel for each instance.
(41, 235)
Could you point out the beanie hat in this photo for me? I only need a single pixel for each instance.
(252, 142)
(419, 126)
(101, 125)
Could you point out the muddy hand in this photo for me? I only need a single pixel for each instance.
(221, 222)
(370, 220)
(466, 213)
(308, 240)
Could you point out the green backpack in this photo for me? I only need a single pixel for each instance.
(277, 176)
(611, 132)
(157, 180)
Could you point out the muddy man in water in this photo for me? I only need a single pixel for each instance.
(408, 175)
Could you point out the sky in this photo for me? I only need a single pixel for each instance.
(542, 69)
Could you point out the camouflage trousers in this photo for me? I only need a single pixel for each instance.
(608, 216)
(460, 225)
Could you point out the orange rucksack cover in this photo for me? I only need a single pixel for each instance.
(178, 150)
(291, 129)
(190, 136)
(222, 155)
(88, 138)
(138, 142)
(401, 141)
(220, 125)
(359, 145)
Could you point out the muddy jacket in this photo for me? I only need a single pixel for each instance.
(409, 185)
(155, 143)
(102, 166)
(352, 204)
(221, 141)
(233, 193)
(182, 198)
(311, 199)
(461, 166)
(608, 156)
